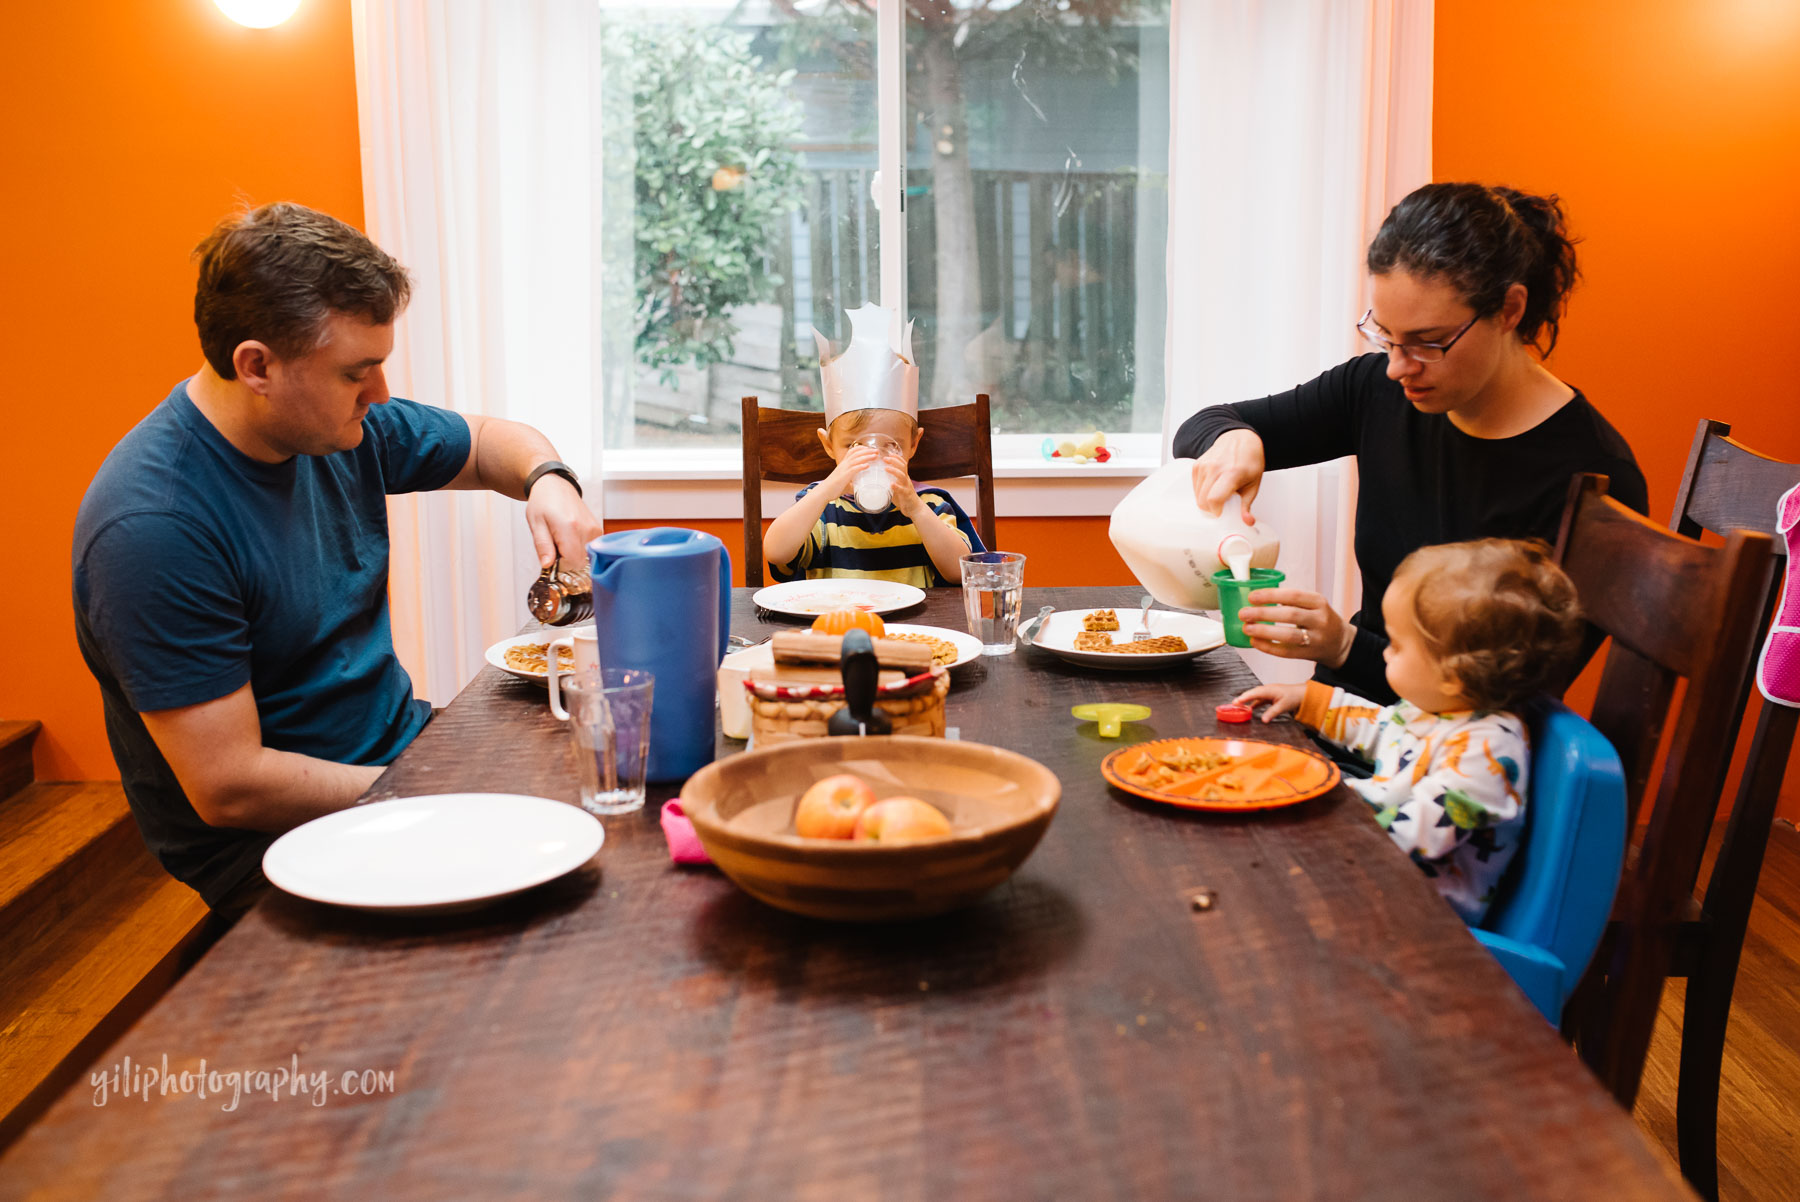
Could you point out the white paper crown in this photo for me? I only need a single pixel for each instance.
(871, 372)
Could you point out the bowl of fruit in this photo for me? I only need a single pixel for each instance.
(871, 829)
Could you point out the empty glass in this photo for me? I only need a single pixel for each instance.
(609, 719)
(993, 597)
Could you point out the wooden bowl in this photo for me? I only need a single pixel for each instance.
(998, 801)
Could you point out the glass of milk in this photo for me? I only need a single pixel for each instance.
(873, 486)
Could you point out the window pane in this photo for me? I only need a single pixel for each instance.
(1037, 208)
(739, 148)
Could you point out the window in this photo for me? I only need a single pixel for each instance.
(1027, 169)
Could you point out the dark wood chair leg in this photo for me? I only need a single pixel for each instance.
(1730, 895)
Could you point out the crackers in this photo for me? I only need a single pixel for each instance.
(1100, 619)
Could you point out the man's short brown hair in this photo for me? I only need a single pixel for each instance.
(276, 273)
(1499, 615)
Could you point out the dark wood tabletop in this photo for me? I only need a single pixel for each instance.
(1328, 1029)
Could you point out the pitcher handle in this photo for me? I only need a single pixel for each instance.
(724, 602)
(553, 652)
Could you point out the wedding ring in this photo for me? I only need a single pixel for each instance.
(1305, 637)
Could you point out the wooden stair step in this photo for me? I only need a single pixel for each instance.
(50, 833)
(16, 739)
(91, 961)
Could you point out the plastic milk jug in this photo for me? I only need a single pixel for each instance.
(1173, 546)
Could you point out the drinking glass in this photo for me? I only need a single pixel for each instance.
(609, 719)
(993, 597)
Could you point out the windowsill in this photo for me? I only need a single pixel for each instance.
(658, 465)
(643, 484)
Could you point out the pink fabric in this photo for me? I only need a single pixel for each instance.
(684, 844)
(1778, 669)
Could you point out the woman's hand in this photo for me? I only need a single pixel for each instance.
(1303, 626)
(1281, 699)
(1233, 464)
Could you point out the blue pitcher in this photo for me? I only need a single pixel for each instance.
(662, 603)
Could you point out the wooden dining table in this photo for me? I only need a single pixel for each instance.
(1322, 1026)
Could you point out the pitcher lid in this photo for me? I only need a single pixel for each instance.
(660, 541)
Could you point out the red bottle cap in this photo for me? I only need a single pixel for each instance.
(1233, 713)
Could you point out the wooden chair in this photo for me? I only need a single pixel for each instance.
(1675, 610)
(1726, 487)
(779, 444)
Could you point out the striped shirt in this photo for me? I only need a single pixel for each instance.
(848, 543)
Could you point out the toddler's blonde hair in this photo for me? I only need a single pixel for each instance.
(1499, 615)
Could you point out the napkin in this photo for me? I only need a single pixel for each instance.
(684, 844)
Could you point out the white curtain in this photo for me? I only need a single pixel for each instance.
(1296, 126)
(479, 171)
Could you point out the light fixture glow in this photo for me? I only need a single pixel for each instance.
(258, 14)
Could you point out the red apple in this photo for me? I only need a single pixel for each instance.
(901, 820)
(830, 808)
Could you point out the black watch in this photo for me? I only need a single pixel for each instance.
(552, 467)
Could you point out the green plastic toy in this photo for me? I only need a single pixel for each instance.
(1111, 715)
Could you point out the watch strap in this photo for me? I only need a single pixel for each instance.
(552, 467)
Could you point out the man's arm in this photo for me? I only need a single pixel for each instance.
(216, 751)
(501, 455)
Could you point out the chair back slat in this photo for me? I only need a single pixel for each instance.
(783, 445)
(1728, 486)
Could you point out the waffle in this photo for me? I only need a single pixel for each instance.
(1160, 645)
(1100, 619)
(1093, 640)
(942, 650)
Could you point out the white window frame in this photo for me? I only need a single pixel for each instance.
(643, 483)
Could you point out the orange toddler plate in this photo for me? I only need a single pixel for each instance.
(1220, 774)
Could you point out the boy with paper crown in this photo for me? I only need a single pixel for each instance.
(867, 519)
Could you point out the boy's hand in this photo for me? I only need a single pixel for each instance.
(906, 496)
(855, 460)
(1281, 699)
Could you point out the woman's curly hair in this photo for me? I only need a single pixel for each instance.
(1499, 615)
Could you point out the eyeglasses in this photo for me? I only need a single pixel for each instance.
(1419, 352)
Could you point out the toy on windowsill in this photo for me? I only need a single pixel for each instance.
(1092, 449)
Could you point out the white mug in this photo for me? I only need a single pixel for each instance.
(584, 644)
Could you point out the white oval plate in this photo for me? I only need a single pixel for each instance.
(447, 851)
(810, 598)
(496, 655)
(1057, 636)
(968, 647)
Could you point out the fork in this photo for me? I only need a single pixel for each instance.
(1142, 633)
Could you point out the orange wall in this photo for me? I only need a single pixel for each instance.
(129, 129)
(1671, 129)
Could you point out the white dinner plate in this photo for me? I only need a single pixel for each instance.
(447, 851)
(810, 598)
(496, 655)
(968, 647)
(1057, 636)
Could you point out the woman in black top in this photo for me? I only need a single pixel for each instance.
(1458, 428)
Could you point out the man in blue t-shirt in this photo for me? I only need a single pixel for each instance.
(231, 556)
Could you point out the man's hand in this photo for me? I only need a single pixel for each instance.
(561, 523)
